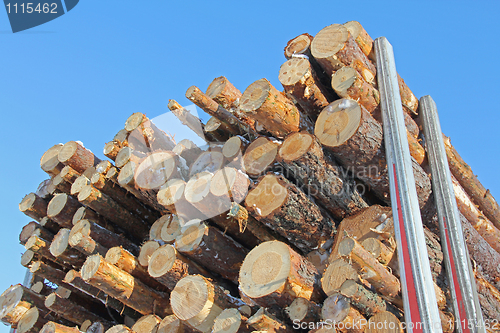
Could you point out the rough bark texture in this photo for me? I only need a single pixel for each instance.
(293, 214)
(33, 206)
(77, 156)
(223, 92)
(61, 209)
(71, 311)
(306, 165)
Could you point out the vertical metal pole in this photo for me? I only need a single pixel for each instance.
(419, 297)
(460, 276)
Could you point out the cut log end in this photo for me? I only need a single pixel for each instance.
(232, 148)
(338, 122)
(90, 267)
(229, 321)
(298, 45)
(198, 187)
(343, 79)
(28, 320)
(147, 250)
(171, 192)
(265, 269)
(191, 235)
(155, 170)
(255, 95)
(60, 242)
(67, 151)
(162, 260)
(170, 324)
(268, 196)
(336, 274)
(329, 41)
(171, 229)
(230, 182)
(146, 324)
(259, 155)
(384, 322)
(189, 297)
(134, 121)
(209, 161)
(295, 145)
(50, 161)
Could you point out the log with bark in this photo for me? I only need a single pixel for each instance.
(188, 150)
(168, 266)
(124, 287)
(16, 300)
(304, 311)
(111, 149)
(129, 263)
(31, 321)
(77, 156)
(283, 207)
(302, 157)
(210, 160)
(264, 321)
(334, 47)
(366, 301)
(337, 272)
(146, 324)
(127, 154)
(260, 155)
(78, 184)
(218, 129)
(172, 324)
(71, 311)
(111, 210)
(355, 137)
(61, 185)
(156, 169)
(198, 300)
(337, 309)
(86, 213)
(34, 228)
(231, 321)
(86, 244)
(103, 167)
(62, 208)
(41, 247)
(274, 274)
(33, 206)
(211, 248)
(59, 248)
(224, 92)
(154, 138)
(50, 161)
(43, 189)
(53, 327)
(300, 81)
(170, 229)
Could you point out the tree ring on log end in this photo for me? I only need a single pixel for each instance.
(162, 260)
(255, 95)
(90, 267)
(329, 41)
(119, 329)
(171, 229)
(229, 321)
(265, 269)
(298, 45)
(49, 327)
(293, 70)
(147, 250)
(155, 170)
(27, 202)
(299, 309)
(50, 300)
(208, 161)
(230, 182)
(343, 79)
(28, 320)
(338, 122)
(259, 155)
(191, 235)
(169, 324)
(337, 272)
(67, 151)
(134, 121)
(295, 145)
(50, 158)
(60, 242)
(171, 192)
(268, 196)
(232, 147)
(27, 256)
(191, 297)
(197, 187)
(126, 173)
(10, 298)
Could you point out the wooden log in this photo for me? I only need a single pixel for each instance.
(119, 329)
(33, 206)
(156, 169)
(111, 149)
(70, 311)
(198, 301)
(48, 272)
(172, 324)
(303, 311)
(223, 92)
(384, 322)
(28, 257)
(472, 186)
(270, 108)
(259, 156)
(61, 185)
(342, 128)
(210, 161)
(79, 183)
(86, 244)
(188, 150)
(299, 45)
(334, 47)
(281, 206)
(34, 228)
(302, 157)
(77, 156)
(211, 107)
(16, 300)
(171, 196)
(103, 167)
(41, 288)
(211, 248)
(103, 236)
(86, 213)
(50, 162)
(42, 248)
(127, 262)
(319, 258)
(480, 222)
(31, 321)
(230, 321)
(168, 266)
(379, 250)
(274, 274)
(489, 299)
(337, 272)
(127, 154)
(53, 327)
(59, 248)
(171, 229)
(62, 208)
(229, 184)
(69, 174)
(147, 250)
(110, 209)
(365, 300)
(50, 225)
(43, 189)
(359, 34)
(263, 321)
(338, 310)
(146, 324)
(197, 193)
(300, 81)
(186, 118)
(74, 279)
(124, 287)
(218, 129)
(233, 151)
(370, 269)
(121, 196)
(155, 138)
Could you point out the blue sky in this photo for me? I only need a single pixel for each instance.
(80, 76)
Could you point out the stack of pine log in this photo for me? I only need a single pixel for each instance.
(279, 223)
